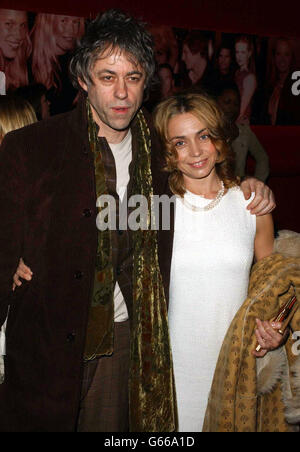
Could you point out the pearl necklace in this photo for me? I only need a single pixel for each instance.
(214, 202)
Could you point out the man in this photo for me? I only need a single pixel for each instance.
(68, 336)
(195, 55)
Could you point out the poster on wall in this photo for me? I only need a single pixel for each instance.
(256, 78)
(35, 51)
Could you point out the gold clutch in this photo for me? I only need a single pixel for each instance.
(284, 315)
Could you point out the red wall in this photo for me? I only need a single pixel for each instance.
(282, 144)
(263, 17)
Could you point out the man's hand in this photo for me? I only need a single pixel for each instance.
(263, 202)
(22, 272)
(268, 337)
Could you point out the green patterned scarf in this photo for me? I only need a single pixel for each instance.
(99, 338)
(151, 382)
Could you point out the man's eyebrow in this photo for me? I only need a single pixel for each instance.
(109, 71)
(135, 73)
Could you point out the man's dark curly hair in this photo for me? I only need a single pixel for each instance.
(112, 30)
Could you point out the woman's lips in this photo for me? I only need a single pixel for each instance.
(14, 45)
(198, 164)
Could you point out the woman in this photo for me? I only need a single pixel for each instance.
(245, 76)
(54, 37)
(214, 241)
(35, 94)
(15, 47)
(15, 113)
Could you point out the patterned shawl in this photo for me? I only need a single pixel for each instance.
(235, 403)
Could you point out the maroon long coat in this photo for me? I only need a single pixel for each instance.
(47, 205)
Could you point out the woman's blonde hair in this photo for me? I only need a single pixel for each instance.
(206, 110)
(15, 113)
(45, 65)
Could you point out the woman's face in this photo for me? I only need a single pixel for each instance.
(242, 54)
(13, 31)
(66, 31)
(283, 57)
(196, 153)
(224, 60)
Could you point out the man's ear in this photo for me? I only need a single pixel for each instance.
(82, 84)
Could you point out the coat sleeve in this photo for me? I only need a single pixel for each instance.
(13, 188)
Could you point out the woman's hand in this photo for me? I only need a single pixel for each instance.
(22, 272)
(268, 337)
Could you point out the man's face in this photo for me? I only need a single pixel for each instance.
(13, 30)
(116, 93)
(224, 60)
(283, 57)
(187, 57)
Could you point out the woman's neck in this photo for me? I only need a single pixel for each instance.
(244, 67)
(207, 187)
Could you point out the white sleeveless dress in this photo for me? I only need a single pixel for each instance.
(211, 260)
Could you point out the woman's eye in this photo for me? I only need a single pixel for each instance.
(179, 143)
(204, 137)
